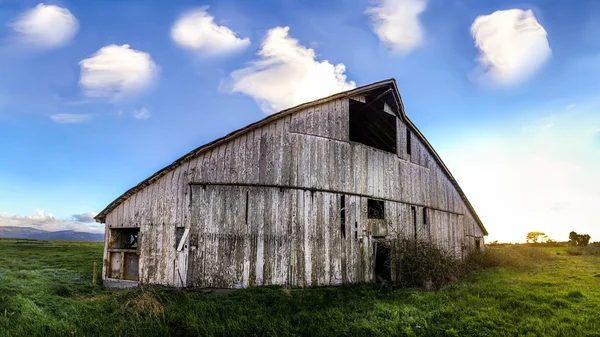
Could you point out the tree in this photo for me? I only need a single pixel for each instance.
(573, 238)
(579, 239)
(584, 239)
(533, 237)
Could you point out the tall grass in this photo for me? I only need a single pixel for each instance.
(422, 264)
(45, 290)
(583, 250)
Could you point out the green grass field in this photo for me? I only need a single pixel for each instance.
(45, 290)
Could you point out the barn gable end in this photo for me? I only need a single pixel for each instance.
(286, 200)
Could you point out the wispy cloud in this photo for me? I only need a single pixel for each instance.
(197, 31)
(47, 221)
(117, 72)
(287, 74)
(45, 26)
(513, 45)
(397, 23)
(71, 118)
(141, 114)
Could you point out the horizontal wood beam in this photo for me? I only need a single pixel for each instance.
(320, 190)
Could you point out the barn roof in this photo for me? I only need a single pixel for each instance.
(385, 90)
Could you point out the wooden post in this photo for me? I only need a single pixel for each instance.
(94, 277)
(122, 266)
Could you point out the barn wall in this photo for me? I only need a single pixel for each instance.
(249, 236)
(157, 211)
(309, 149)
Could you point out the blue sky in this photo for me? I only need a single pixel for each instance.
(521, 132)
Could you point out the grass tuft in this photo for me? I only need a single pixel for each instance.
(62, 290)
(145, 302)
(575, 294)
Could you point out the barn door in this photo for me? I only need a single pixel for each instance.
(182, 242)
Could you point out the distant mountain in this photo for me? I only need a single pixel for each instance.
(38, 234)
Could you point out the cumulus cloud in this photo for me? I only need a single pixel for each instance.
(49, 222)
(116, 72)
(141, 114)
(287, 74)
(513, 45)
(87, 217)
(537, 173)
(70, 118)
(45, 26)
(397, 24)
(197, 31)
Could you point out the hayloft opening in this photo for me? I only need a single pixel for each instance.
(375, 209)
(123, 257)
(371, 125)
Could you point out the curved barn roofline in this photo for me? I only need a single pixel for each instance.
(396, 100)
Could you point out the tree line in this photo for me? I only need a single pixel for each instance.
(575, 239)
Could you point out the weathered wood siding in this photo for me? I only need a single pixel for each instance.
(294, 170)
(252, 235)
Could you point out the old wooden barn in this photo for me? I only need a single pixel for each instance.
(300, 198)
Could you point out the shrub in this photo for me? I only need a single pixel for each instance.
(421, 264)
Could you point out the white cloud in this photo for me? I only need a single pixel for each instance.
(71, 118)
(513, 45)
(87, 217)
(116, 72)
(141, 114)
(288, 74)
(45, 26)
(397, 24)
(49, 222)
(197, 31)
(526, 176)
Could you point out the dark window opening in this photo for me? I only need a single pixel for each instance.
(383, 262)
(375, 209)
(343, 215)
(372, 126)
(246, 214)
(178, 235)
(181, 235)
(426, 222)
(477, 244)
(124, 238)
(414, 220)
(408, 143)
